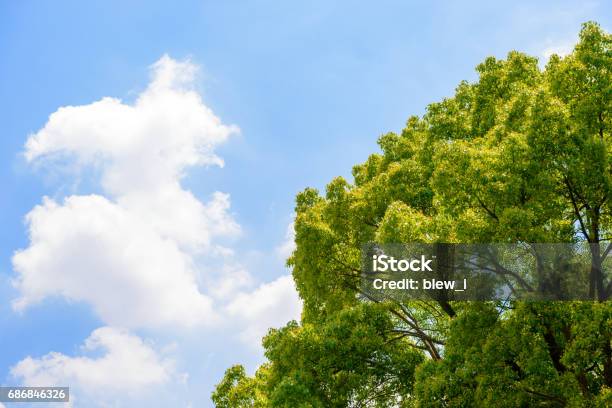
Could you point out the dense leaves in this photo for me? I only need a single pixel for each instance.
(521, 155)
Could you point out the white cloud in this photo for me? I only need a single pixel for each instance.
(168, 125)
(89, 249)
(136, 241)
(272, 304)
(144, 252)
(231, 280)
(134, 251)
(127, 365)
(142, 151)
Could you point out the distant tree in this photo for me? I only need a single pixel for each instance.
(522, 155)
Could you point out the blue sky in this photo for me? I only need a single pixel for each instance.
(311, 85)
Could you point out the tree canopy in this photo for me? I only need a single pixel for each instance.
(520, 155)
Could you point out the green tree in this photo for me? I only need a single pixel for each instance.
(521, 155)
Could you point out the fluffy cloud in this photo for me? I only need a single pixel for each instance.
(144, 252)
(140, 146)
(137, 240)
(142, 151)
(89, 249)
(134, 252)
(128, 364)
(272, 304)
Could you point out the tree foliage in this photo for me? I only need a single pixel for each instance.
(521, 155)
